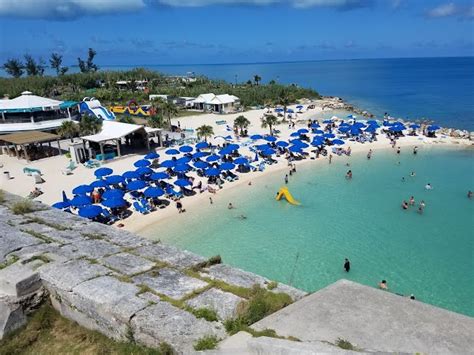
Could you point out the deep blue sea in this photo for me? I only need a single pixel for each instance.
(441, 89)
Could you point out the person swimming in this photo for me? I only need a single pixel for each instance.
(469, 194)
(404, 205)
(383, 285)
(412, 174)
(415, 150)
(242, 217)
(411, 202)
(428, 186)
(403, 178)
(349, 174)
(230, 206)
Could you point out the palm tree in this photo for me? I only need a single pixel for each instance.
(14, 67)
(155, 121)
(168, 110)
(89, 125)
(269, 121)
(205, 132)
(257, 79)
(241, 122)
(68, 129)
(284, 99)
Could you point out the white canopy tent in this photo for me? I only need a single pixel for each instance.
(27, 102)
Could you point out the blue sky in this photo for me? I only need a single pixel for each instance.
(125, 32)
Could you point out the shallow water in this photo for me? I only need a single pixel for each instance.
(429, 255)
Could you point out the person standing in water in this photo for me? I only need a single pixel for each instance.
(383, 285)
(398, 150)
(286, 179)
(369, 154)
(469, 194)
(330, 158)
(412, 201)
(347, 265)
(415, 150)
(349, 174)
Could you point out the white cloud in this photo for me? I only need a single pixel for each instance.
(444, 10)
(65, 9)
(295, 3)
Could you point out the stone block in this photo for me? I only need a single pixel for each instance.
(180, 259)
(19, 280)
(165, 323)
(92, 249)
(12, 239)
(223, 303)
(170, 282)
(70, 274)
(12, 317)
(128, 264)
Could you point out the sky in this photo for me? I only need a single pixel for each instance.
(146, 32)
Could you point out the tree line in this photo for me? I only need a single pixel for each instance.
(35, 67)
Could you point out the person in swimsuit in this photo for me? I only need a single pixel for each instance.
(347, 265)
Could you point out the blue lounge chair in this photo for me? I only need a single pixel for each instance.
(139, 208)
(112, 218)
(145, 204)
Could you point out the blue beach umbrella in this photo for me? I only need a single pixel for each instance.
(279, 109)
(355, 131)
(152, 155)
(329, 135)
(113, 193)
(263, 147)
(241, 161)
(295, 134)
(182, 182)
(256, 137)
(270, 139)
(80, 200)
(183, 160)
(415, 126)
(167, 164)
(433, 128)
(82, 189)
(295, 149)
(159, 176)
(131, 175)
(103, 172)
(172, 152)
(114, 202)
(351, 116)
(201, 164)
(315, 125)
(233, 146)
(202, 145)
(327, 121)
(98, 183)
(337, 141)
(303, 131)
(198, 155)
(290, 110)
(227, 166)
(153, 192)
(114, 179)
(396, 128)
(318, 131)
(186, 149)
(282, 144)
(371, 129)
(301, 145)
(142, 163)
(372, 122)
(136, 185)
(182, 168)
(344, 129)
(61, 205)
(212, 172)
(299, 106)
(225, 151)
(144, 171)
(269, 151)
(90, 211)
(213, 157)
(358, 125)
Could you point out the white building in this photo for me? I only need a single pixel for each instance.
(217, 103)
(29, 112)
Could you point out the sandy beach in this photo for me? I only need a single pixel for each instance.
(55, 182)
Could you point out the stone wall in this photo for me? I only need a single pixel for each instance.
(113, 281)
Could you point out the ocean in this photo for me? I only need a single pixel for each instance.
(440, 89)
(429, 255)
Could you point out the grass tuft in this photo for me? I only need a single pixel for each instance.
(38, 235)
(344, 344)
(208, 314)
(11, 259)
(213, 260)
(272, 285)
(22, 207)
(206, 343)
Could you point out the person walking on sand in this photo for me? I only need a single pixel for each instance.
(398, 150)
(179, 206)
(347, 265)
(330, 158)
(210, 200)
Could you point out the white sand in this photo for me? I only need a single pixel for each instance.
(56, 182)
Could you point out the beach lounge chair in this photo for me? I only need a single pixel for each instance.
(172, 193)
(139, 208)
(91, 164)
(38, 178)
(221, 122)
(145, 204)
(30, 171)
(112, 218)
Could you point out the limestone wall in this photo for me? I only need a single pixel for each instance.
(113, 281)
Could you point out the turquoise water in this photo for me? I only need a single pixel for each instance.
(429, 255)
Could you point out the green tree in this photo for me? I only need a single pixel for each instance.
(241, 122)
(168, 110)
(89, 125)
(269, 121)
(205, 131)
(88, 66)
(33, 67)
(56, 62)
(13, 67)
(155, 121)
(284, 99)
(257, 79)
(68, 129)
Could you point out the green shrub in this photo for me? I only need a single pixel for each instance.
(22, 207)
(11, 259)
(344, 344)
(206, 313)
(206, 343)
(272, 285)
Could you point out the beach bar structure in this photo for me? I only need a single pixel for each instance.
(23, 144)
(114, 133)
(29, 112)
(216, 103)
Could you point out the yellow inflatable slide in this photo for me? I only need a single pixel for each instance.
(283, 192)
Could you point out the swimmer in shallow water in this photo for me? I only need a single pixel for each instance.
(242, 217)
